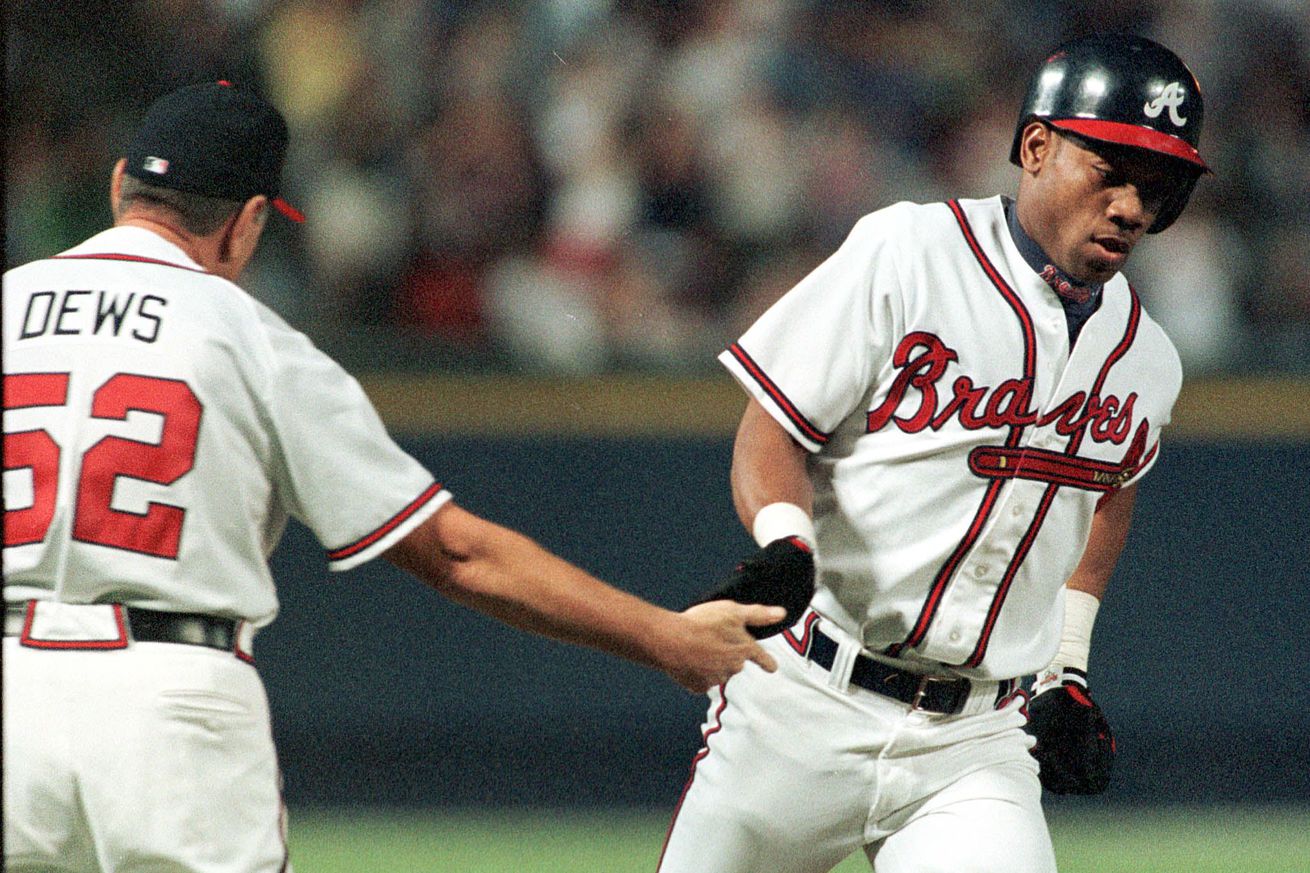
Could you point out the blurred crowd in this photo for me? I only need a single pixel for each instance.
(584, 186)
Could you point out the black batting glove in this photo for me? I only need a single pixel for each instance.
(1075, 747)
(780, 574)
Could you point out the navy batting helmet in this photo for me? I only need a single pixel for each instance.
(1127, 91)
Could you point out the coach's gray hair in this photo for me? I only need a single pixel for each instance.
(197, 213)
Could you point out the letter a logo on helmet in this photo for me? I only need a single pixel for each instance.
(1172, 96)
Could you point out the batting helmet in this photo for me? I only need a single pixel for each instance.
(1124, 90)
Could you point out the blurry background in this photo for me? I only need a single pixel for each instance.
(531, 226)
(580, 186)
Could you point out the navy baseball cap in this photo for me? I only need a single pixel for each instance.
(215, 139)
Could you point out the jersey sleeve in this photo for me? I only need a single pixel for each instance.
(812, 356)
(1167, 382)
(338, 470)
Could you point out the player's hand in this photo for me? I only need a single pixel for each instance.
(780, 574)
(1075, 747)
(714, 643)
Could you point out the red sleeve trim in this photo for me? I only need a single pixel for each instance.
(784, 403)
(392, 523)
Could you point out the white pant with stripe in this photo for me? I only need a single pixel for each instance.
(153, 756)
(800, 770)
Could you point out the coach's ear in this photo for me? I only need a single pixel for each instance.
(241, 237)
(116, 186)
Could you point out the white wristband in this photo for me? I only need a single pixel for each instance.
(779, 520)
(1076, 638)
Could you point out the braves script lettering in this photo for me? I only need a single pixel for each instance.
(922, 359)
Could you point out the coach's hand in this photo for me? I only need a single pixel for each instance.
(780, 574)
(1075, 747)
(713, 643)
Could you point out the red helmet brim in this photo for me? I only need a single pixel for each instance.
(1132, 135)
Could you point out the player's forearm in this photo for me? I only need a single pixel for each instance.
(1089, 582)
(768, 467)
(1105, 543)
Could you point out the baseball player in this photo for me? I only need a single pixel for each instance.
(160, 427)
(948, 421)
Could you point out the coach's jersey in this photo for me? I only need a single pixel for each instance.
(161, 426)
(959, 446)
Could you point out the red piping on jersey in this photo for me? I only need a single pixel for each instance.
(1130, 335)
(236, 645)
(1043, 465)
(700, 756)
(803, 644)
(789, 409)
(27, 640)
(135, 259)
(391, 524)
(947, 572)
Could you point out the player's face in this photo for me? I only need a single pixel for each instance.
(1088, 205)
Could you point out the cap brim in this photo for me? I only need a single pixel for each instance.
(1132, 135)
(287, 209)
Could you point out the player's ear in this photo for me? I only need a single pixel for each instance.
(1035, 144)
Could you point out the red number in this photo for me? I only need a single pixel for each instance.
(33, 449)
(158, 530)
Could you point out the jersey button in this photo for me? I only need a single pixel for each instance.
(1016, 511)
(955, 636)
(980, 570)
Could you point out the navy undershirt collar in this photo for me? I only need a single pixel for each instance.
(1078, 299)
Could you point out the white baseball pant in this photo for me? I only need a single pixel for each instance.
(801, 769)
(156, 756)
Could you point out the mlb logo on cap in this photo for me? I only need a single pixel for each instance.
(155, 165)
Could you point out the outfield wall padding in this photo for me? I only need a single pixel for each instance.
(383, 692)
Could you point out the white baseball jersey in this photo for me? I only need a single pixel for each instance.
(161, 426)
(959, 446)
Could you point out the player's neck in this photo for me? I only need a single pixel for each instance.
(1032, 251)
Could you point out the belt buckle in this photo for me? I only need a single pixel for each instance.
(926, 682)
(921, 692)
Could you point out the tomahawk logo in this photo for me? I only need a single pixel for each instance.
(1172, 96)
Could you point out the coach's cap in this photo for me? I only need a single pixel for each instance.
(215, 139)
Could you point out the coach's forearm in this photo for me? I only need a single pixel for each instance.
(510, 577)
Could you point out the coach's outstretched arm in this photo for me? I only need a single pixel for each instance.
(508, 576)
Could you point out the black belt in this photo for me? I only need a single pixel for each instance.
(152, 626)
(188, 628)
(930, 693)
